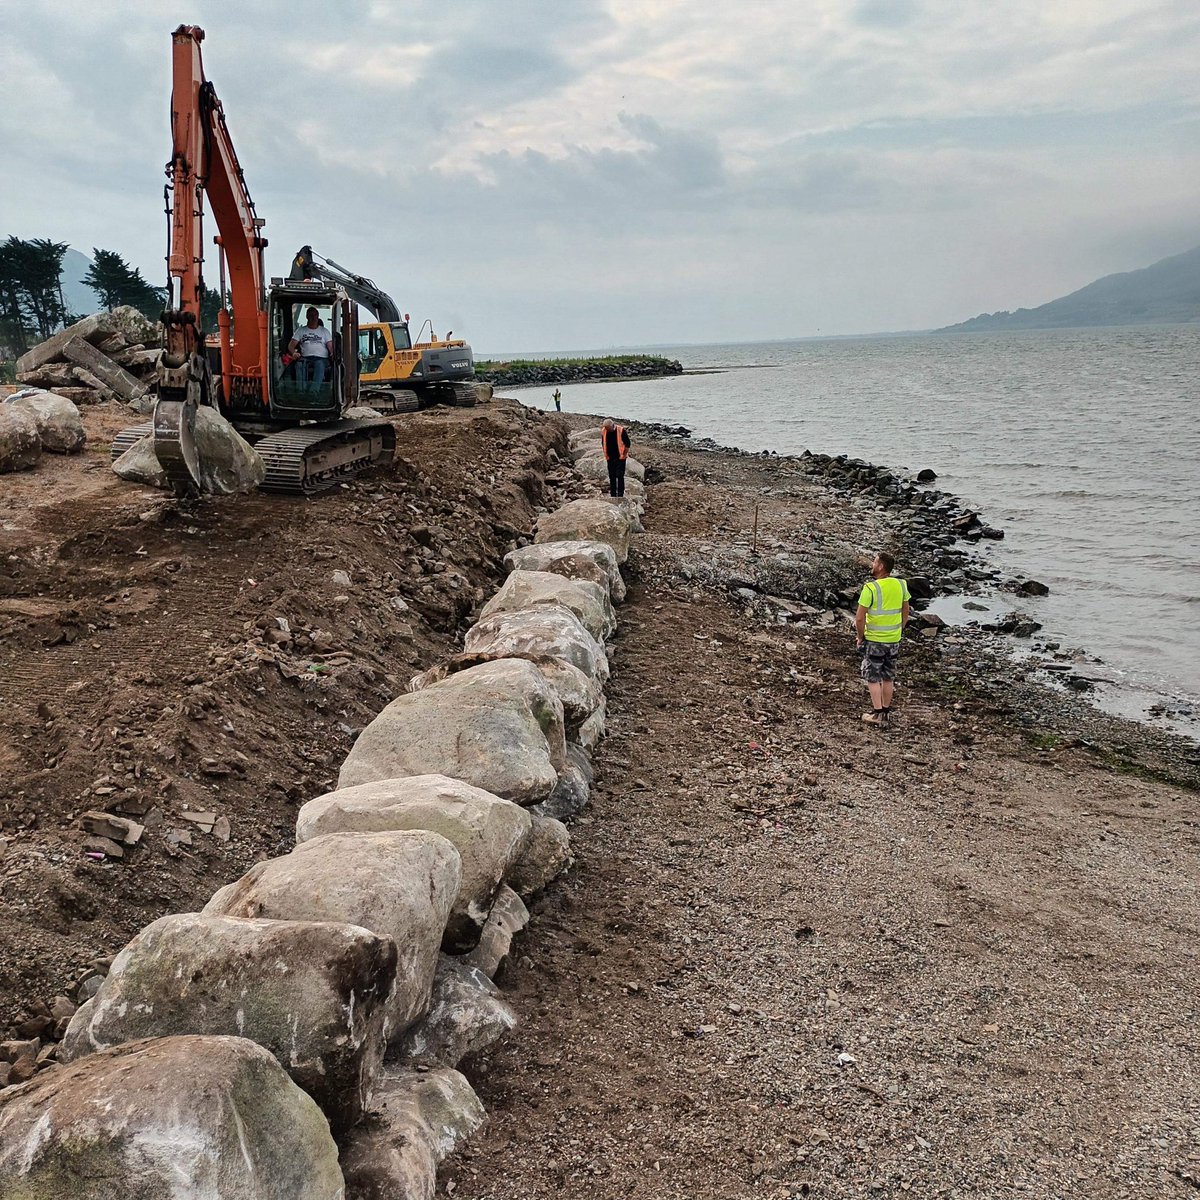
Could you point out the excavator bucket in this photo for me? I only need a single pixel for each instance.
(175, 444)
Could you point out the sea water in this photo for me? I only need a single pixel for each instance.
(1083, 445)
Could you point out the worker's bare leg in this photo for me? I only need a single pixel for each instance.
(885, 695)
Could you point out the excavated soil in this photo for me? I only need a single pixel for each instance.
(796, 956)
(158, 658)
(800, 957)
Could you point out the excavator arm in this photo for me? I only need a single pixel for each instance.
(204, 163)
(364, 291)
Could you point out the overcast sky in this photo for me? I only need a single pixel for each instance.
(581, 174)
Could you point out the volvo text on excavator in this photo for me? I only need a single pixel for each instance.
(388, 358)
(292, 415)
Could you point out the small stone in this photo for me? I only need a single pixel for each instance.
(17, 1049)
(221, 830)
(205, 820)
(61, 1007)
(341, 579)
(103, 845)
(22, 1071)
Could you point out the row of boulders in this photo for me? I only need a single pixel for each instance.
(32, 421)
(106, 356)
(578, 370)
(300, 1037)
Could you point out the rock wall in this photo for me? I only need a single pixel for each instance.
(332, 991)
(580, 371)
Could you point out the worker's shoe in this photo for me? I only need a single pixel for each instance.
(877, 717)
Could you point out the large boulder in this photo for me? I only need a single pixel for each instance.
(313, 993)
(591, 464)
(498, 725)
(58, 422)
(490, 834)
(466, 1015)
(586, 439)
(210, 1117)
(139, 464)
(592, 561)
(546, 857)
(420, 1117)
(400, 885)
(20, 442)
(228, 463)
(134, 326)
(536, 633)
(580, 695)
(94, 328)
(589, 521)
(524, 590)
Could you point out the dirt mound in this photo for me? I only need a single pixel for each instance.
(217, 660)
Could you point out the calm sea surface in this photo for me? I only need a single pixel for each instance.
(1083, 445)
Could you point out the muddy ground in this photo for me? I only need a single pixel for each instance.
(799, 957)
(158, 658)
(795, 957)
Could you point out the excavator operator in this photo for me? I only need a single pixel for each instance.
(313, 344)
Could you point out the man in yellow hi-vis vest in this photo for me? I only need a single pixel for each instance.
(878, 626)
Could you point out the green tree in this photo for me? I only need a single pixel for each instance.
(31, 298)
(117, 283)
(210, 305)
(14, 334)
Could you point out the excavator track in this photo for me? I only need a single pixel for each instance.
(311, 458)
(128, 438)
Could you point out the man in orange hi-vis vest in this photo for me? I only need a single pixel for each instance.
(614, 439)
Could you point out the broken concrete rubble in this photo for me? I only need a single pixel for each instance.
(111, 354)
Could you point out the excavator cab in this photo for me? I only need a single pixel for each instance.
(303, 389)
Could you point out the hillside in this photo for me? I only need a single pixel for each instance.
(1166, 292)
(79, 297)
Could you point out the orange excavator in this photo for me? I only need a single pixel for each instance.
(290, 407)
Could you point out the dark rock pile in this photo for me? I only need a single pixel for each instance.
(579, 372)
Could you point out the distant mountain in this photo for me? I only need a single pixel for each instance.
(1166, 293)
(80, 298)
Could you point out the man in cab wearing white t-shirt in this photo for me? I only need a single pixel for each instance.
(314, 344)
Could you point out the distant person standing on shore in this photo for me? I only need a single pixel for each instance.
(878, 627)
(557, 400)
(614, 439)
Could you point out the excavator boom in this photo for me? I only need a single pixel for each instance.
(289, 403)
(364, 291)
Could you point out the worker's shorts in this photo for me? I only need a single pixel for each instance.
(879, 661)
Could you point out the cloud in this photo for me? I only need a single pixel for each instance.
(677, 168)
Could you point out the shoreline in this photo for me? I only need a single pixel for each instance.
(934, 541)
(925, 517)
(798, 954)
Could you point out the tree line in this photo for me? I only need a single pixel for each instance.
(32, 305)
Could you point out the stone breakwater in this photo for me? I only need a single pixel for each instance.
(580, 371)
(300, 1037)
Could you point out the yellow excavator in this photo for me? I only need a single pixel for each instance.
(390, 362)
